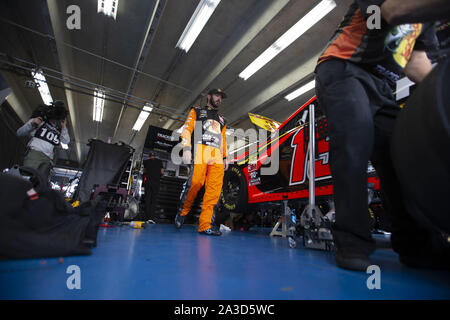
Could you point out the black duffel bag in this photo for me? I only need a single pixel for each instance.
(43, 224)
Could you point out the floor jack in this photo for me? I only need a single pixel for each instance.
(316, 227)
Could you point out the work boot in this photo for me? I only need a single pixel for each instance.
(179, 220)
(353, 262)
(211, 232)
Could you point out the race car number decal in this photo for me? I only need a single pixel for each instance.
(299, 163)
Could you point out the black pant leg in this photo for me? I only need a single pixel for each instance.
(407, 234)
(148, 200)
(45, 169)
(154, 197)
(351, 132)
(421, 150)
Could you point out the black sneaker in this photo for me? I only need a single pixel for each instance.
(179, 220)
(211, 232)
(357, 262)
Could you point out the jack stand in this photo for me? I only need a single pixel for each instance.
(284, 220)
(315, 236)
(320, 239)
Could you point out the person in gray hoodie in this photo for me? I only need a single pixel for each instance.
(47, 128)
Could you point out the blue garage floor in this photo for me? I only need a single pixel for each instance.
(163, 263)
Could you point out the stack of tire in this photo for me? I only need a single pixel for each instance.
(168, 199)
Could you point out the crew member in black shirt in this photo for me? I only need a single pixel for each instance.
(355, 78)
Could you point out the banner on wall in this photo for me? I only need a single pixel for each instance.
(160, 139)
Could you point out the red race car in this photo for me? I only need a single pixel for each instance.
(291, 180)
(276, 169)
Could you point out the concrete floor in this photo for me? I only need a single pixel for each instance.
(163, 263)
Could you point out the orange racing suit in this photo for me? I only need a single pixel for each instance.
(204, 130)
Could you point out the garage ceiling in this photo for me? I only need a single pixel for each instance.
(135, 60)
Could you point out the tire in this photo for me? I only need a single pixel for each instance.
(234, 196)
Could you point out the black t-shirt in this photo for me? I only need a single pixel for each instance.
(153, 169)
(212, 125)
(384, 51)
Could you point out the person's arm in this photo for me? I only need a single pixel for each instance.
(401, 11)
(223, 147)
(188, 128)
(162, 169)
(29, 126)
(65, 138)
(418, 67)
(145, 171)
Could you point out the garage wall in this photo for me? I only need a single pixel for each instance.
(12, 147)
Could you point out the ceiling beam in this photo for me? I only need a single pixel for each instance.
(253, 101)
(151, 28)
(65, 60)
(17, 99)
(262, 13)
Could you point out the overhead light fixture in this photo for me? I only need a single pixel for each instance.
(297, 93)
(143, 116)
(99, 102)
(41, 83)
(64, 146)
(108, 7)
(195, 25)
(303, 25)
(180, 130)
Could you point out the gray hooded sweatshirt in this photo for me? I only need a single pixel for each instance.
(44, 137)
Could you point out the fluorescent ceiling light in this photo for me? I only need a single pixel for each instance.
(198, 20)
(303, 25)
(41, 82)
(108, 7)
(99, 102)
(180, 130)
(143, 117)
(297, 93)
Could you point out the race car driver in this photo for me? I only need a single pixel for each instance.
(204, 132)
(47, 128)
